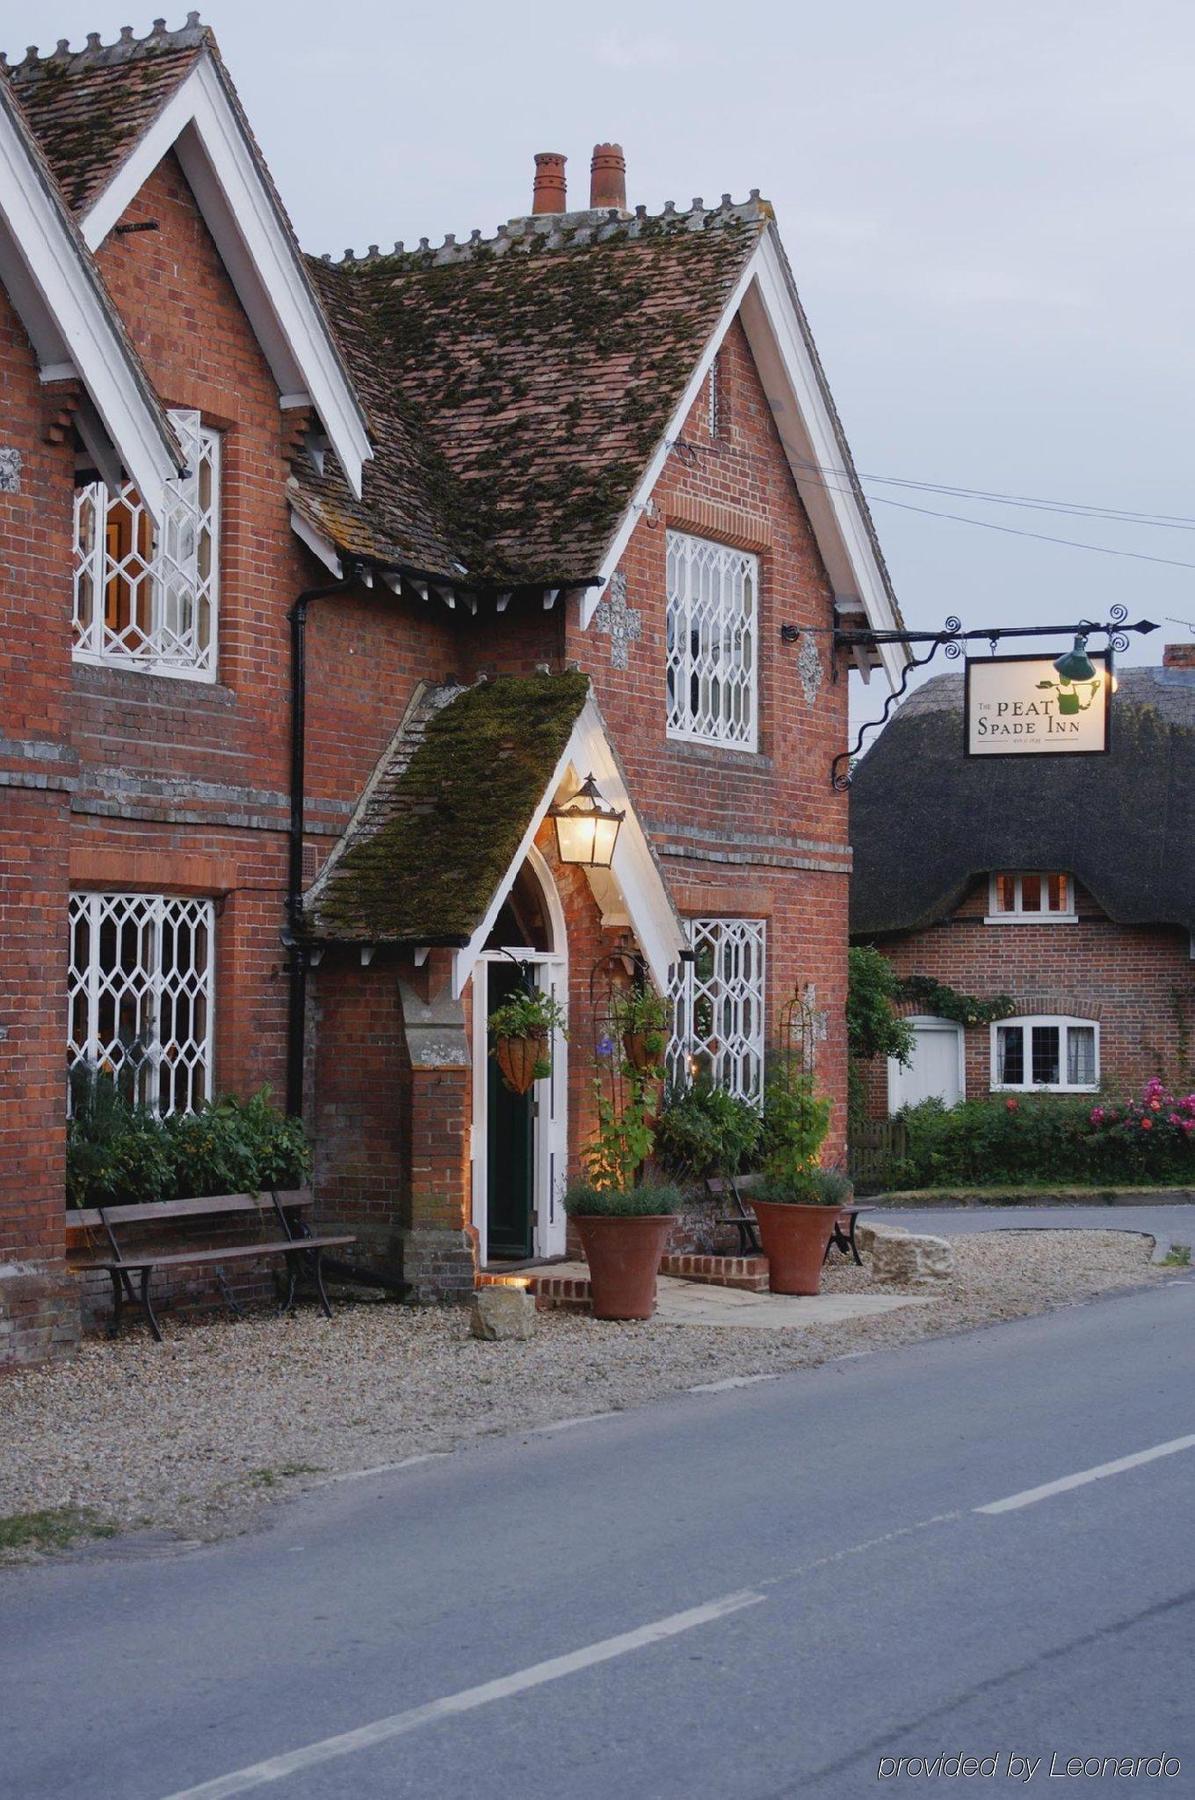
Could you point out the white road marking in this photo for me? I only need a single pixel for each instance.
(407, 1462)
(731, 1381)
(567, 1424)
(277, 1768)
(1030, 1496)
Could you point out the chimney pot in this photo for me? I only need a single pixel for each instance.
(550, 195)
(1178, 656)
(608, 178)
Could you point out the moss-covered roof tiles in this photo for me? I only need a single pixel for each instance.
(444, 817)
(536, 374)
(89, 107)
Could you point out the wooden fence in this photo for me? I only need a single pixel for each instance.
(872, 1150)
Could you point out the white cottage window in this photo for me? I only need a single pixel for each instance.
(713, 600)
(718, 1006)
(1040, 897)
(142, 971)
(1059, 1054)
(147, 599)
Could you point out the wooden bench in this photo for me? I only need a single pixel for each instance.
(748, 1228)
(294, 1242)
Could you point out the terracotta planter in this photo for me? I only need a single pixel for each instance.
(624, 1258)
(517, 1057)
(634, 1045)
(794, 1240)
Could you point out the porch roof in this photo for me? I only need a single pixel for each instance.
(445, 813)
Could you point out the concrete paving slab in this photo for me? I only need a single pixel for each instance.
(701, 1303)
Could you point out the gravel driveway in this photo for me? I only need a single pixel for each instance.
(194, 1435)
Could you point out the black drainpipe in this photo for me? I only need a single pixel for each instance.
(298, 954)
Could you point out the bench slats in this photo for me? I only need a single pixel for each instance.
(152, 1210)
(149, 1259)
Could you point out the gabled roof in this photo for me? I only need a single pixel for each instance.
(71, 322)
(452, 809)
(546, 373)
(926, 820)
(107, 114)
(543, 367)
(90, 107)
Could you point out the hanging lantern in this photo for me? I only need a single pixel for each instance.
(1075, 664)
(586, 827)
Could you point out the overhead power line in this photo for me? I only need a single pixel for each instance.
(1079, 508)
(1042, 537)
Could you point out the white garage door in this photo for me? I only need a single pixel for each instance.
(936, 1071)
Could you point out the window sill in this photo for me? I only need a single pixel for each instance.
(1043, 1087)
(709, 749)
(128, 665)
(1031, 919)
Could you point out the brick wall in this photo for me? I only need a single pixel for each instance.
(743, 834)
(38, 1311)
(1137, 981)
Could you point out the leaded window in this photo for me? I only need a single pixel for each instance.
(146, 598)
(713, 596)
(140, 995)
(1057, 1053)
(718, 1006)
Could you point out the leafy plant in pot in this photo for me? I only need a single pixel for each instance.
(623, 1227)
(796, 1203)
(521, 1028)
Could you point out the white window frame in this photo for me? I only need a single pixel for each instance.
(731, 624)
(1020, 915)
(153, 917)
(1027, 1022)
(174, 562)
(725, 1055)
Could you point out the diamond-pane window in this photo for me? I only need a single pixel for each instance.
(146, 599)
(718, 1007)
(140, 995)
(713, 595)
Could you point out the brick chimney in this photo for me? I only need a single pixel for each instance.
(550, 192)
(608, 178)
(1178, 656)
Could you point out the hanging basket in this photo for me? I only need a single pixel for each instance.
(636, 1047)
(518, 1058)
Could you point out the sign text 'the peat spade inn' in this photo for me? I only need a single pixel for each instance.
(1021, 706)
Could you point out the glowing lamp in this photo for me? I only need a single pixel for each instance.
(586, 828)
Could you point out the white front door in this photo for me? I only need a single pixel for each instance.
(936, 1071)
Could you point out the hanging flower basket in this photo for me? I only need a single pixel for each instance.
(522, 1028)
(519, 1061)
(644, 1050)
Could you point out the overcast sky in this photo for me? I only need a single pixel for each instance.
(990, 212)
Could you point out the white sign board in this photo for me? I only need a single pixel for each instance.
(1021, 706)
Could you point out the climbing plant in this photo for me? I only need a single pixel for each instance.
(947, 1003)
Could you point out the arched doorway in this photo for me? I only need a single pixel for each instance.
(520, 1140)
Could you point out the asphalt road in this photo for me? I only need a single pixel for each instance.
(740, 1595)
(1165, 1224)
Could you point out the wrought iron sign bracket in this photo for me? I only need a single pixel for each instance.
(952, 639)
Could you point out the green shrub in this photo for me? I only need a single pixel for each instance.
(583, 1201)
(796, 1119)
(122, 1155)
(1010, 1140)
(834, 1186)
(702, 1130)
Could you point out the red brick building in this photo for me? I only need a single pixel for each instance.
(1067, 884)
(315, 568)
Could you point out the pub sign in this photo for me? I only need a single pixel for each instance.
(1021, 706)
